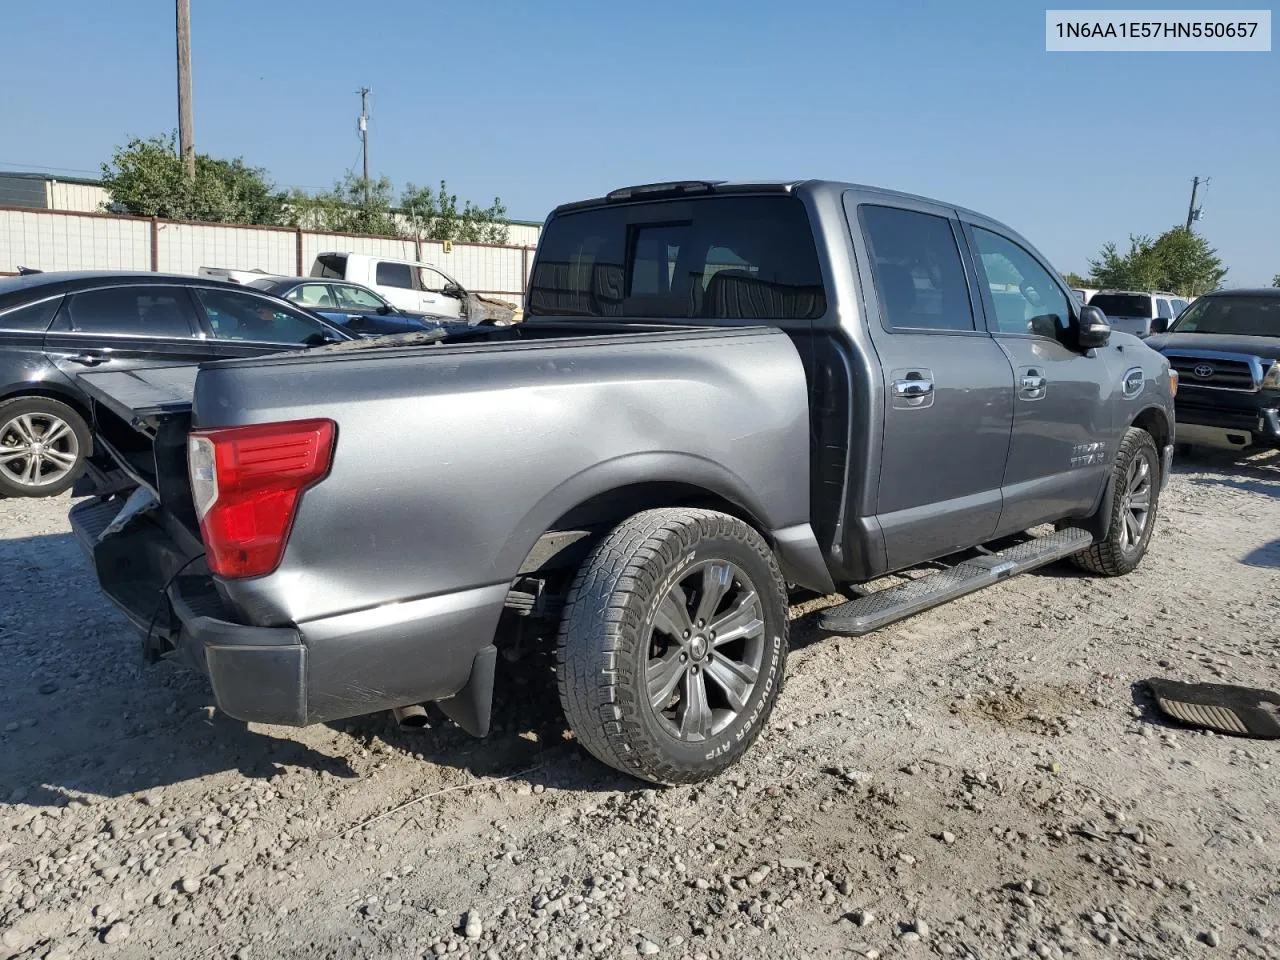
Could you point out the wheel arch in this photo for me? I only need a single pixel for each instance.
(51, 391)
(1154, 420)
(605, 494)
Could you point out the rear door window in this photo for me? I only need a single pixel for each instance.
(395, 275)
(143, 311)
(726, 257)
(919, 277)
(311, 295)
(356, 298)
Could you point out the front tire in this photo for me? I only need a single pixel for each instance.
(44, 444)
(1136, 483)
(673, 644)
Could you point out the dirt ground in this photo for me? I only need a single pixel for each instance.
(986, 780)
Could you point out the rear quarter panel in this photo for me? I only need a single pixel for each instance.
(451, 463)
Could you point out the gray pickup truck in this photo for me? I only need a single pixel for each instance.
(721, 392)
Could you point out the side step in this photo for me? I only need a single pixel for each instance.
(883, 607)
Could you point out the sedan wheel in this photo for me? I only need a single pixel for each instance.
(42, 447)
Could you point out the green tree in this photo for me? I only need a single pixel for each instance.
(348, 208)
(1275, 281)
(146, 177)
(1075, 280)
(435, 216)
(1178, 261)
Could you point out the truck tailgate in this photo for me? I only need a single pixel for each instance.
(140, 420)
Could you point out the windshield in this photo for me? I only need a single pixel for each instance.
(1232, 316)
(732, 257)
(1122, 304)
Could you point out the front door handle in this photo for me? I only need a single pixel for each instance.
(1032, 386)
(89, 358)
(916, 389)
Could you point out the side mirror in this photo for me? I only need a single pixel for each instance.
(453, 290)
(384, 309)
(1160, 325)
(1095, 331)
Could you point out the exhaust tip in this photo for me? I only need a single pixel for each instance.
(412, 717)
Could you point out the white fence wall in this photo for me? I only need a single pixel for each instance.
(44, 241)
(186, 247)
(54, 240)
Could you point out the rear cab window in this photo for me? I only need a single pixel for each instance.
(717, 258)
(1123, 304)
(330, 265)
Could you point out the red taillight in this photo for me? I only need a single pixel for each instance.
(246, 482)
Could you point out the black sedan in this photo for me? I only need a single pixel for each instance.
(54, 326)
(355, 308)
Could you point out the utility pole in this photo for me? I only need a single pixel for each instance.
(186, 125)
(1193, 212)
(364, 136)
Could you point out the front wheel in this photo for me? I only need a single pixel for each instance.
(1136, 483)
(673, 644)
(43, 447)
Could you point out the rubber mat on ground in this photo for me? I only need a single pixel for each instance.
(1242, 711)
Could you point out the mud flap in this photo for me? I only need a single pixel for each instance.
(471, 707)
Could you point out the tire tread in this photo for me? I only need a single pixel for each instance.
(594, 681)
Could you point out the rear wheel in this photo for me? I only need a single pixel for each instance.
(1136, 481)
(43, 447)
(673, 644)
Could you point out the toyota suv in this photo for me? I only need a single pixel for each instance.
(1226, 350)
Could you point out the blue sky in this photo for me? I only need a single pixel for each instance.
(544, 101)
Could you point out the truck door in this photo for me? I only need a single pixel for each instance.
(396, 282)
(947, 386)
(1063, 431)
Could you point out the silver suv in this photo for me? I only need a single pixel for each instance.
(1134, 310)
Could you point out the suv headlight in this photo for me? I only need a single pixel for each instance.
(1271, 381)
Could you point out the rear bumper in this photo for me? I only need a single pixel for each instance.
(296, 674)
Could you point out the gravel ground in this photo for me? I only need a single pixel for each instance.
(983, 781)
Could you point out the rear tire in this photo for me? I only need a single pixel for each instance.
(44, 444)
(673, 644)
(1136, 481)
